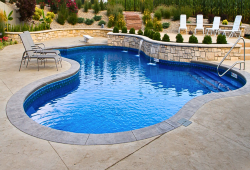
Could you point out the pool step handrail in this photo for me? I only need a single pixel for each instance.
(237, 62)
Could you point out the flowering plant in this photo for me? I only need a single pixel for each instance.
(1, 39)
(5, 38)
(42, 4)
(72, 6)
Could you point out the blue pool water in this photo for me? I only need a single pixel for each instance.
(116, 91)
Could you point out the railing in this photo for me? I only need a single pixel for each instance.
(237, 62)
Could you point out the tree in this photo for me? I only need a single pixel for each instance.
(26, 9)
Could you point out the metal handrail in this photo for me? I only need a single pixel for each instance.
(237, 62)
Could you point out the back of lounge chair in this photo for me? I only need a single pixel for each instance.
(199, 25)
(236, 27)
(216, 26)
(183, 22)
(38, 54)
(36, 46)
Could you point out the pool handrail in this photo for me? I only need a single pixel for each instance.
(237, 62)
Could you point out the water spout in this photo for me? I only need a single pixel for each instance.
(152, 51)
(139, 50)
(125, 50)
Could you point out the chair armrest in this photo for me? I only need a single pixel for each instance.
(41, 44)
(36, 46)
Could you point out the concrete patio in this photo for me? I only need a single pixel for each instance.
(218, 138)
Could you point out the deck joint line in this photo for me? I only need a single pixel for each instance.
(184, 122)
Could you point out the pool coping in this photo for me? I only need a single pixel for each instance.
(17, 116)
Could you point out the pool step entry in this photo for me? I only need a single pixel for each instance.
(215, 84)
(184, 122)
(206, 79)
(225, 80)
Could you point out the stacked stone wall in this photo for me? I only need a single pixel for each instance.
(60, 33)
(182, 52)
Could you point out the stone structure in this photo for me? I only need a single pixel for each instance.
(171, 51)
(15, 15)
(60, 33)
(191, 27)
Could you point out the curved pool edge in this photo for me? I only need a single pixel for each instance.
(17, 116)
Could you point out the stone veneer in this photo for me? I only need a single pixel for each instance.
(171, 51)
(59, 33)
(191, 27)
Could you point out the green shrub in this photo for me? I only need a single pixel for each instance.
(72, 19)
(151, 34)
(132, 31)
(165, 25)
(89, 5)
(15, 42)
(146, 32)
(166, 38)
(186, 10)
(158, 15)
(167, 13)
(207, 39)
(115, 10)
(111, 21)
(80, 20)
(86, 6)
(116, 29)
(79, 4)
(36, 16)
(157, 36)
(140, 32)
(101, 22)
(11, 42)
(124, 30)
(193, 39)
(97, 18)
(96, 7)
(89, 21)
(149, 24)
(2, 29)
(62, 14)
(120, 22)
(101, 5)
(146, 16)
(157, 26)
(176, 12)
(225, 22)
(221, 39)
(179, 38)
(50, 15)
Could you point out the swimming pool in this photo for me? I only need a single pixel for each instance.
(116, 91)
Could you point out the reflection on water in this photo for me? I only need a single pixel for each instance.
(120, 92)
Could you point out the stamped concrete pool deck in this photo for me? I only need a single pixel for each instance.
(218, 138)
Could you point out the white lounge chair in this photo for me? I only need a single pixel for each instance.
(37, 46)
(183, 23)
(215, 27)
(30, 53)
(236, 27)
(199, 24)
(87, 37)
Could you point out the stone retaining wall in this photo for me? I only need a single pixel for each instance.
(191, 27)
(60, 33)
(182, 52)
